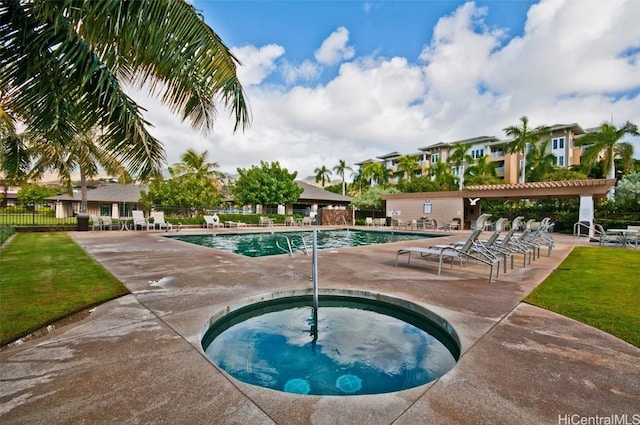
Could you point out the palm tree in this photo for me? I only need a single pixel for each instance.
(323, 175)
(442, 176)
(64, 64)
(86, 154)
(15, 158)
(358, 180)
(460, 157)
(483, 172)
(196, 164)
(340, 170)
(540, 162)
(407, 166)
(605, 143)
(522, 137)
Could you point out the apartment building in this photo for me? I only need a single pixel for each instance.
(561, 145)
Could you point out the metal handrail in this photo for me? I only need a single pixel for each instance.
(289, 249)
(303, 246)
(291, 246)
(580, 225)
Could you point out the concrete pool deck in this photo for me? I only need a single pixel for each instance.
(138, 359)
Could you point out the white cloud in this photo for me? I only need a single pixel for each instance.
(306, 71)
(257, 63)
(566, 67)
(334, 49)
(571, 48)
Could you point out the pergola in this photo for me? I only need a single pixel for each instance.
(585, 190)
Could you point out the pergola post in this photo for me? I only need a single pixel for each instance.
(585, 214)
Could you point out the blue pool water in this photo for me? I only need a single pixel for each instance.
(361, 348)
(262, 244)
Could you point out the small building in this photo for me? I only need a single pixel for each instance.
(113, 200)
(465, 205)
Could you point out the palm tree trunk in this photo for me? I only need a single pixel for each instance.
(83, 191)
(611, 174)
(522, 166)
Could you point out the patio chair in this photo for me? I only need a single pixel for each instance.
(368, 221)
(468, 251)
(96, 224)
(289, 221)
(437, 226)
(139, 220)
(159, 221)
(265, 222)
(213, 221)
(106, 223)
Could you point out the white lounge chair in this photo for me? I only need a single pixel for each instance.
(469, 251)
(213, 221)
(139, 220)
(159, 221)
(266, 222)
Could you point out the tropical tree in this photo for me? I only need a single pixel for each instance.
(606, 143)
(407, 167)
(358, 180)
(628, 190)
(196, 165)
(442, 176)
(540, 162)
(34, 194)
(85, 154)
(340, 169)
(15, 159)
(323, 175)
(187, 191)
(269, 184)
(523, 136)
(371, 200)
(63, 65)
(483, 172)
(376, 172)
(460, 157)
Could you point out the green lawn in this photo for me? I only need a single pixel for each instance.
(45, 277)
(598, 286)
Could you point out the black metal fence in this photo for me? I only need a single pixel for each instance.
(33, 214)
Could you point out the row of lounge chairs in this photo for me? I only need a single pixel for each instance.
(155, 220)
(501, 246)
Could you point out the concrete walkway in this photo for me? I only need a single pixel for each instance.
(138, 359)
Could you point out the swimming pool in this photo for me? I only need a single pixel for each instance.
(263, 244)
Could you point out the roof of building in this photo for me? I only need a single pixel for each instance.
(541, 185)
(112, 192)
(116, 192)
(315, 193)
(546, 190)
(390, 155)
(574, 126)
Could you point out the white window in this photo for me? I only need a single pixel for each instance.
(561, 160)
(558, 143)
(435, 157)
(477, 153)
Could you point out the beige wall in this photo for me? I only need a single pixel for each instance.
(442, 209)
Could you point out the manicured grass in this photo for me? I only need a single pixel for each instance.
(45, 277)
(598, 286)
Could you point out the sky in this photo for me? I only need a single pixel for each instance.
(354, 80)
